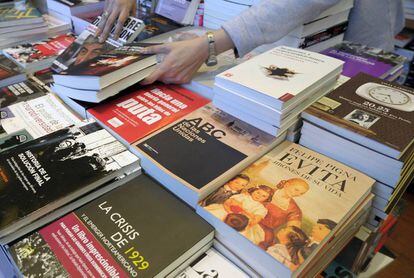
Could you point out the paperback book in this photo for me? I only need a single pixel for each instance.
(9, 15)
(290, 196)
(51, 171)
(141, 111)
(104, 70)
(9, 72)
(87, 46)
(361, 58)
(182, 11)
(121, 234)
(223, 144)
(39, 55)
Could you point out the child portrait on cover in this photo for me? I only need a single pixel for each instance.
(268, 215)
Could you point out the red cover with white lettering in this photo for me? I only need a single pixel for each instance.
(142, 111)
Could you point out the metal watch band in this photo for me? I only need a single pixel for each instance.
(212, 58)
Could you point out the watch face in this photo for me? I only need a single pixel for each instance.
(388, 95)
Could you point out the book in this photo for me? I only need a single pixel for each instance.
(369, 111)
(156, 25)
(9, 72)
(9, 15)
(73, 7)
(104, 70)
(291, 193)
(108, 236)
(87, 46)
(289, 70)
(51, 171)
(360, 58)
(38, 116)
(38, 55)
(140, 111)
(214, 264)
(224, 145)
(182, 11)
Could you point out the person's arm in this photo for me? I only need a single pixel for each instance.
(266, 22)
(115, 11)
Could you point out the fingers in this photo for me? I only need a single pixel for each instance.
(133, 11)
(108, 25)
(120, 23)
(156, 49)
(104, 17)
(154, 76)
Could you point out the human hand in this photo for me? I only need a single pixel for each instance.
(182, 59)
(115, 10)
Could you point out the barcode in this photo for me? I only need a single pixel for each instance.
(115, 122)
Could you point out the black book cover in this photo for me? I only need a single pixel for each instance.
(136, 230)
(156, 25)
(42, 171)
(21, 91)
(203, 145)
(7, 68)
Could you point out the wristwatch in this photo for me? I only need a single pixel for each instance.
(212, 58)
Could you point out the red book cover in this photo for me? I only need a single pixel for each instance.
(143, 111)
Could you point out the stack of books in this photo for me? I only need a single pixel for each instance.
(91, 71)
(107, 237)
(373, 121)
(325, 30)
(38, 55)
(182, 12)
(217, 12)
(409, 9)
(270, 90)
(66, 9)
(18, 26)
(370, 60)
(290, 211)
(9, 72)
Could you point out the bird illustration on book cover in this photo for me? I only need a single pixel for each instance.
(276, 72)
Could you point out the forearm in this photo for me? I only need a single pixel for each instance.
(270, 20)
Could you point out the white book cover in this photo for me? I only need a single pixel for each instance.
(212, 264)
(39, 116)
(280, 73)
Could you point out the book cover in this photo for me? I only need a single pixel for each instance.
(212, 264)
(21, 91)
(281, 73)
(39, 116)
(35, 52)
(139, 112)
(173, 9)
(156, 25)
(220, 141)
(43, 171)
(87, 46)
(360, 58)
(371, 107)
(9, 14)
(109, 61)
(7, 69)
(289, 202)
(121, 234)
(323, 35)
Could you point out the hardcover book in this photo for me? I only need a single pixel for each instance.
(370, 109)
(9, 15)
(48, 172)
(9, 72)
(121, 234)
(360, 58)
(139, 112)
(286, 206)
(29, 54)
(87, 46)
(222, 144)
(278, 75)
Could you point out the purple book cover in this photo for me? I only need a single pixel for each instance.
(359, 58)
